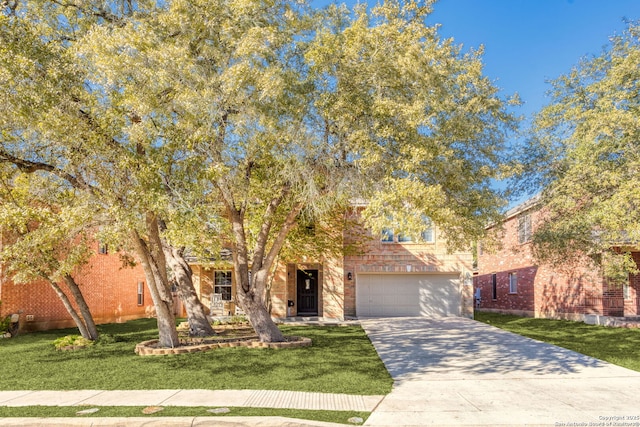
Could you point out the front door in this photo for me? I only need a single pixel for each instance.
(307, 287)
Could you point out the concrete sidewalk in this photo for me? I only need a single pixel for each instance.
(213, 398)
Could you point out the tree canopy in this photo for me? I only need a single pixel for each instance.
(585, 154)
(244, 120)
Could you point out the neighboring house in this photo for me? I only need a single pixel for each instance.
(391, 276)
(509, 280)
(113, 292)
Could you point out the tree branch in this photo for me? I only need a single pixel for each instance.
(289, 223)
(267, 223)
(29, 166)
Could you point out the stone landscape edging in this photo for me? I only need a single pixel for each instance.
(147, 348)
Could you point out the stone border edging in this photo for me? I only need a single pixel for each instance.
(146, 348)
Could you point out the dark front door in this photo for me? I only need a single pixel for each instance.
(307, 281)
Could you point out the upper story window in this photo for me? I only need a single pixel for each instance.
(427, 235)
(524, 228)
(387, 235)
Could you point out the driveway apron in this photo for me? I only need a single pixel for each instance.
(455, 371)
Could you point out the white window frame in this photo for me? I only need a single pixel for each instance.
(140, 293)
(524, 229)
(429, 231)
(428, 235)
(388, 236)
(626, 291)
(513, 283)
(223, 284)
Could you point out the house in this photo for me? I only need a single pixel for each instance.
(394, 275)
(509, 280)
(113, 292)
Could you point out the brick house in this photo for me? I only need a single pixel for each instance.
(114, 294)
(390, 276)
(509, 280)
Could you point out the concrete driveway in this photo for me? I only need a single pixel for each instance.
(455, 371)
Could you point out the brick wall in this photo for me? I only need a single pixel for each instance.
(336, 293)
(569, 291)
(410, 258)
(522, 301)
(111, 291)
(632, 304)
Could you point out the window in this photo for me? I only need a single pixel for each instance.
(140, 293)
(387, 235)
(626, 291)
(223, 284)
(102, 248)
(513, 283)
(494, 286)
(524, 229)
(427, 234)
(403, 238)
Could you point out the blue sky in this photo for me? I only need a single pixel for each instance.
(528, 42)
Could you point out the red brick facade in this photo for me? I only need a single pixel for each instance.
(111, 291)
(338, 277)
(544, 291)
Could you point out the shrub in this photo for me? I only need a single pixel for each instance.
(71, 341)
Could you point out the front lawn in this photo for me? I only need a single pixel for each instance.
(619, 346)
(341, 360)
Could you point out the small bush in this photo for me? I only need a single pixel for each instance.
(109, 339)
(71, 340)
(4, 324)
(238, 320)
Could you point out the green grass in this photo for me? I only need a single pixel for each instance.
(619, 346)
(178, 411)
(341, 360)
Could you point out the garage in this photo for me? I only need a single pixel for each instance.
(396, 295)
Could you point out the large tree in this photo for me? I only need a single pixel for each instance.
(585, 155)
(45, 238)
(54, 121)
(291, 113)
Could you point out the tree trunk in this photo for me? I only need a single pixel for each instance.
(74, 314)
(199, 324)
(254, 306)
(87, 317)
(152, 259)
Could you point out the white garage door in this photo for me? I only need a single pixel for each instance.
(389, 295)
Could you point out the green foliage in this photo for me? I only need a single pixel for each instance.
(4, 324)
(70, 341)
(241, 123)
(585, 153)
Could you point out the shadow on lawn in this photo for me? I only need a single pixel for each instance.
(455, 348)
